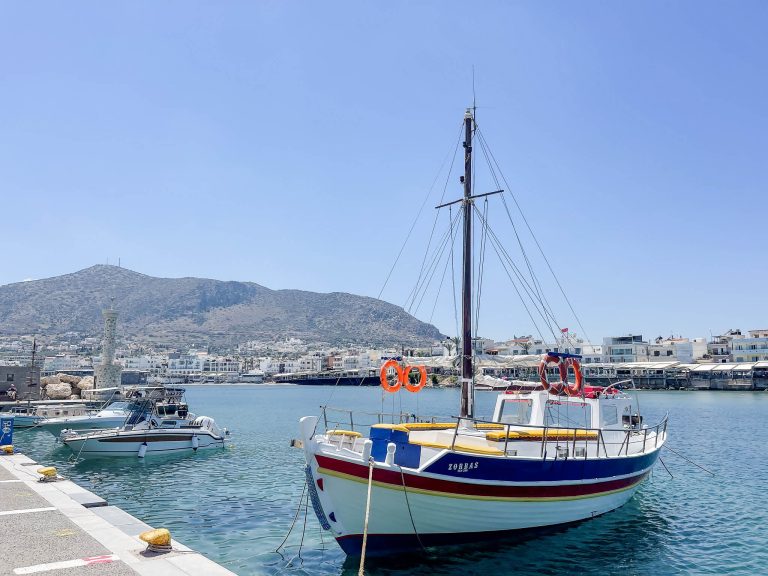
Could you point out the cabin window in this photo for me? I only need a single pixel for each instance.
(515, 412)
(564, 414)
(610, 415)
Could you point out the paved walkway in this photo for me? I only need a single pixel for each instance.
(58, 528)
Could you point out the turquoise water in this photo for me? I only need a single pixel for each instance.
(237, 505)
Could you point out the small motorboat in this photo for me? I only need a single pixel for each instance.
(169, 428)
(113, 416)
(30, 415)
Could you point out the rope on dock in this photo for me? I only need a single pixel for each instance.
(361, 570)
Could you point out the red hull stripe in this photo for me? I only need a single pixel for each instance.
(388, 478)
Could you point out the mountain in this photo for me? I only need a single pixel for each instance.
(198, 309)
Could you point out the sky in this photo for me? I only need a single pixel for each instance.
(292, 144)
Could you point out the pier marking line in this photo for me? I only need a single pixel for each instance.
(90, 561)
(7, 481)
(26, 511)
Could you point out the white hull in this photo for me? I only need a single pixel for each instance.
(454, 498)
(56, 426)
(129, 444)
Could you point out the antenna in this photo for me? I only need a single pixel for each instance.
(474, 99)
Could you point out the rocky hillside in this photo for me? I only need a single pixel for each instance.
(198, 309)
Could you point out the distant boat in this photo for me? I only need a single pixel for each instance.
(30, 414)
(331, 378)
(113, 416)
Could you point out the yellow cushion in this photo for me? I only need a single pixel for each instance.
(554, 434)
(343, 433)
(460, 447)
(399, 427)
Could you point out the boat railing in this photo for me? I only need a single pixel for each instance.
(356, 420)
(632, 440)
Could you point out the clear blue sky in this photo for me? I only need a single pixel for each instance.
(290, 143)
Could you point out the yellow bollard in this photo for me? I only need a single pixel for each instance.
(158, 540)
(7, 449)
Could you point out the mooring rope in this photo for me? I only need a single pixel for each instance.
(361, 570)
(408, 504)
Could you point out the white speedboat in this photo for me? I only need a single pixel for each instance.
(30, 415)
(113, 416)
(161, 432)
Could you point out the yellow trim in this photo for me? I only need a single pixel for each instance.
(553, 434)
(459, 447)
(398, 427)
(343, 433)
(412, 490)
(420, 426)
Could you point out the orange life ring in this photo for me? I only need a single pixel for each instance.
(563, 364)
(422, 378)
(547, 359)
(575, 388)
(383, 376)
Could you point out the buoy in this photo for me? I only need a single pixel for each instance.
(143, 450)
(158, 540)
(7, 449)
(195, 442)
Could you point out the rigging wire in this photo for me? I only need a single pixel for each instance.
(421, 208)
(424, 281)
(525, 285)
(538, 245)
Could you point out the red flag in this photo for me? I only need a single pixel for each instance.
(564, 330)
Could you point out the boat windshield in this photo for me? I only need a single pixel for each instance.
(516, 412)
(118, 406)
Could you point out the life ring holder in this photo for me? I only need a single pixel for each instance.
(563, 364)
(385, 381)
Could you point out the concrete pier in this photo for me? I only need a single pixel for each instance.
(60, 528)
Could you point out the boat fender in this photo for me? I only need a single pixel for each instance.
(195, 442)
(389, 459)
(422, 378)
(143, 450)
(383, 376)
(367, 446)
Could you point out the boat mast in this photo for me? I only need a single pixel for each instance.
(467, 384)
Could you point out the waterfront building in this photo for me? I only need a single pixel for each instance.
(25, 379)
(753, 348)
(720, 348)
(64, 363)
(185, 366)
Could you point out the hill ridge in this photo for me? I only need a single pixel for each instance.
(195, 309)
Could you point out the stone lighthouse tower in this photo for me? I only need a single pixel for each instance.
(108, 373)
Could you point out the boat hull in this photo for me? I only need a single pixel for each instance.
(412, 509)
(129, 444)
(82, 423)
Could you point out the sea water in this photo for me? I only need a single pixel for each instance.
(236, 505)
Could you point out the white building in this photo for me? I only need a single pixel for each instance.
(751, 349)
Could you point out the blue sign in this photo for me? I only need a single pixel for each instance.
(6, 431)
